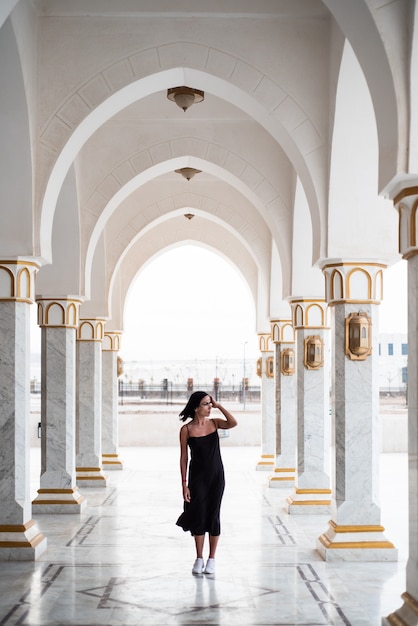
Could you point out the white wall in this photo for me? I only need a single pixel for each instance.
(162, 429)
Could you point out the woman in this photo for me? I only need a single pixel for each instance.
(202, 492)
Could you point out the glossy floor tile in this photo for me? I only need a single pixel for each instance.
(125, 562)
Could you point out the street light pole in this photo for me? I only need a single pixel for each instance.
(216, 378)
(243, 381)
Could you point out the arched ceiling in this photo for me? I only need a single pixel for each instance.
(245, 181)
(269, 72)
(207, 53)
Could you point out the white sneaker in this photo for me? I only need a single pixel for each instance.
(198, 566)
(210, 566)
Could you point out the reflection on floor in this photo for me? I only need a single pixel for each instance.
(125, 562)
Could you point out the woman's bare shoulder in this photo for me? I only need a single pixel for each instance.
(184, 429)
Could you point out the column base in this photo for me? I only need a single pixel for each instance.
(282, 477)
(309, 502)
(112, 462)
(21, 542)
(266, 464)
(355, 543)
(407, 615)
(59, 501)
(90, 477)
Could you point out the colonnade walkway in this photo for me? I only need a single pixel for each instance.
(125, 562)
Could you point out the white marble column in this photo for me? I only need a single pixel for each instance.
(89, 403)
(353, 291)
(110, 436)
(406, 201)
(58, 492)
(284, 474)
(20, 539)
(265, 369)
(312, 493)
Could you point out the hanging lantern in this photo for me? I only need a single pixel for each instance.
(314, 352)
(287, 362)
(358, 336)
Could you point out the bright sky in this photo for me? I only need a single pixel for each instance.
(393, 310)
(190, 303)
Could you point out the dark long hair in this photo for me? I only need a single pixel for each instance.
(192, 404)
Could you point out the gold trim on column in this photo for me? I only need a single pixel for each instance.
(18, 283)
(72, 502)
(307, 502)
(111, 459)
(326, 491)
(264, 341)
(394, 620)
(17, 528)
(356, 529)
(309, 313)
(327, 543)
(282, 331)
(112, 341)
(91, 329)
(408, 191)
(410, 601)
(341, 286)
(23, 544)
(57, 490)
(58, 312)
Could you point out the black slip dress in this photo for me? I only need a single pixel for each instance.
(206, 483)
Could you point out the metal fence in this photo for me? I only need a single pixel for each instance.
(169, 392)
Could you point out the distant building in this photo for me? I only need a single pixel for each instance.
(393, 363)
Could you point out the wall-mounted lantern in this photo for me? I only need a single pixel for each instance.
(287, 362)
(39, 430)
(314, 352)
(259, 367)
(358, 336)
(119, 366)
(270, 367)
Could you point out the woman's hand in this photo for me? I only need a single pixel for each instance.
(214, 403)
(229, 421)
(186, 493)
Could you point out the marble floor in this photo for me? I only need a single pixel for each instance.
(125, 562)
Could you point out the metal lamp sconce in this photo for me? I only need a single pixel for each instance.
(358, 336)
(259, 367)
(287, 362)
(270, 367)
(314, 352)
